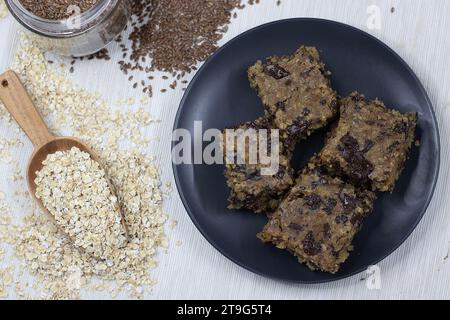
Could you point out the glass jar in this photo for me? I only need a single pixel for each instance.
(79, 36)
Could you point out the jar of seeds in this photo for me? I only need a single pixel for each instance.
(72, 27)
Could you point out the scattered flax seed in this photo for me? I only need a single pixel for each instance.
(59, 269)
(172, 36)
(100, 55)
(179, 243)
(75, 190)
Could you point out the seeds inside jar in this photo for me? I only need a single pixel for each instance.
(57, 9)
(75, 190)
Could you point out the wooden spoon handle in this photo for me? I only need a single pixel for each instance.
(19, 104)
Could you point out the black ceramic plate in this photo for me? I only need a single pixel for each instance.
(220, 96)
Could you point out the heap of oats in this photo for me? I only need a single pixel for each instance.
(60, 270)
(3, 9)
(76, 192)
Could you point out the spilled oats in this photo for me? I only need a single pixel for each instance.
(59, 270)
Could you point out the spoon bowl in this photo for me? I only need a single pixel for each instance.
(19, 104)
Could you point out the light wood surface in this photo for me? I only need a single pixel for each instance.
(19, 104)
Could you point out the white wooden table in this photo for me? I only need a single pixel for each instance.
(419, 31)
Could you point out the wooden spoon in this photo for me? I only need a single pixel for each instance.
(19, 104)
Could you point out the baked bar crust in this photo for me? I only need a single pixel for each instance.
(371, 143)
(318, 220)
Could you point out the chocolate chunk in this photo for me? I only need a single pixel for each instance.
(357, 220)
(306, 112)
(320, 182)
(310, 246)
(249, 201)
(357, 98)
(350, 143)
(330, 205)
(393, 146)
(360, 167)
(298, 127)
(281, 173)
(281, 105)
(275, 71)
(296, 227)
(334, 105)
(348, 202)
(401, 127)
(341, 219)
(367, 146)
(313, 201)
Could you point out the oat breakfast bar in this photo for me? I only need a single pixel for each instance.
(370, 144)
(318, 220)
(252, 190)
(296, 91)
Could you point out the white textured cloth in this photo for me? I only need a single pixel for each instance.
(418, 31)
